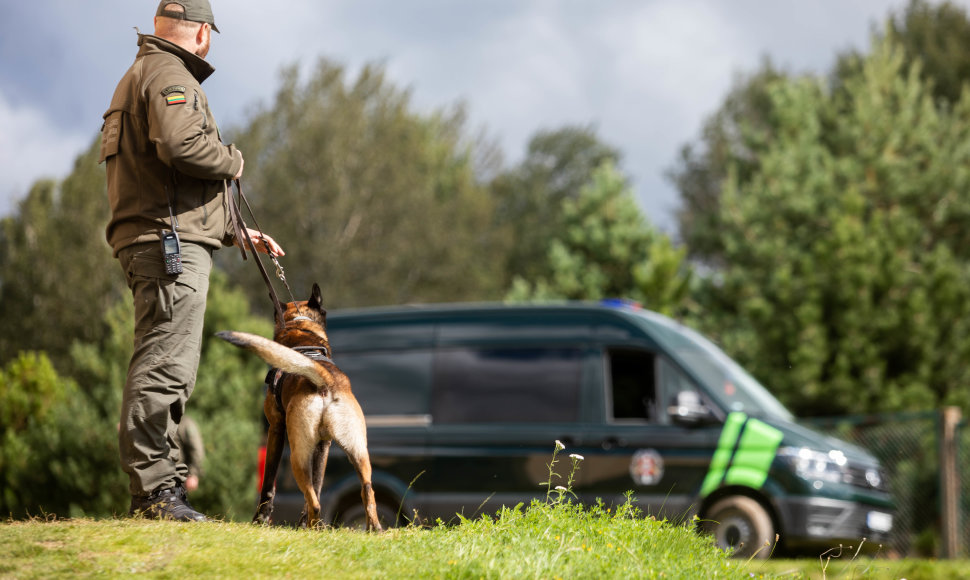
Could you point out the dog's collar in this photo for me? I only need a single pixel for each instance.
(321, 353)
(317, 353)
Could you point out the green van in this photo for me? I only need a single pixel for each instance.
(464, 404)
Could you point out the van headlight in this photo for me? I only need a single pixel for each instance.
(815, 465)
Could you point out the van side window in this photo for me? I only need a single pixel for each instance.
(672, 382)
(499, 385)
(633, 384)
(390, 382)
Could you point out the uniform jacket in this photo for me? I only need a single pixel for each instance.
(160, 144)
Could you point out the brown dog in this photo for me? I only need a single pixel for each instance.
(314, 405)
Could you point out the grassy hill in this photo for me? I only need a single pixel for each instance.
(558, 541)
(540, 541)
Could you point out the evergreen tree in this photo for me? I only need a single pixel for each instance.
(735, 138)
(937, 36)
(377, 203)
(57, 275)
(847, 287)
(57, 455)
(530, 196)
(607, 249)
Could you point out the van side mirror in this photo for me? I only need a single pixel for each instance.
(689, 410)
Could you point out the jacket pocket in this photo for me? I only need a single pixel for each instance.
(111, 134)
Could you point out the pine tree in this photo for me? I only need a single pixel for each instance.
(607, 249)
(375, 202)
(847, 288)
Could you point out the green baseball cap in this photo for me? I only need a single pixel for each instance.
(194, 11)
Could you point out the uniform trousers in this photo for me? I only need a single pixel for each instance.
(169, 314)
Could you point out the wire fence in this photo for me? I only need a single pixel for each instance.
(908, 446)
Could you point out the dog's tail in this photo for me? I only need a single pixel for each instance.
(279, 356)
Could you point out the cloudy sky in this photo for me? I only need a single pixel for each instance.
(644, 73)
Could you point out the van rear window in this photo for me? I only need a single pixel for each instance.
(506, 385)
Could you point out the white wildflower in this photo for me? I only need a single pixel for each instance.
(559, 445)
(576, 456)
(561, 488)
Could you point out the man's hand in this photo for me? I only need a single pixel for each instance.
(192, 483)
(243, 164)
(261, 241)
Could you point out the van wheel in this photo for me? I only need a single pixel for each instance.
(741, 524)
(355, 517)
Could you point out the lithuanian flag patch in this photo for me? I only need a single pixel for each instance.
(174, 95)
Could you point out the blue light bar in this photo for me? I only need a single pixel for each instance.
(621, 303)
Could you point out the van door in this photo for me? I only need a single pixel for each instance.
(636, 446)
(497, 412)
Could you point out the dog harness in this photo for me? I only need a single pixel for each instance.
(274, 378)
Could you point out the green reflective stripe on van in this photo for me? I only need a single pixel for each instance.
(756, 450)
(723, 453)
(744, 454)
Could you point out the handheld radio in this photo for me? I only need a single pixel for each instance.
(172, 253)
(171, 249)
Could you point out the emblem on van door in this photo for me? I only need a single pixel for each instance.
(647, 467)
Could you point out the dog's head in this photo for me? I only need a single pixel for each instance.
(311, 310)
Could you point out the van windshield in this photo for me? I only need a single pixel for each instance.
(727, 382)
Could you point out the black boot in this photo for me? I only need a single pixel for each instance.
(165, 504)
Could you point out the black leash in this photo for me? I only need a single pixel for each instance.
(319, 353)
(242, 233)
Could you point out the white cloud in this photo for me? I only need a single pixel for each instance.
(32, 148)
(679, 55)
(667, 66)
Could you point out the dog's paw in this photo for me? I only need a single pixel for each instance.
(264, 514)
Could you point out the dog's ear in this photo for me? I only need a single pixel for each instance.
(316, 299)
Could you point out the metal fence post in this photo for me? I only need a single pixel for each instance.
(950, 482)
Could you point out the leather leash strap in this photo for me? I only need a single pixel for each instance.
(242, 233)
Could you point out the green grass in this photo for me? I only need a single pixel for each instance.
(862, 568)
(548, 539)
(542, 541)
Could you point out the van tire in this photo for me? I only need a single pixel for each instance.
(741, 524)
(354, 517)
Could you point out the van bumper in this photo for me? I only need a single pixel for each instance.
(824, 522)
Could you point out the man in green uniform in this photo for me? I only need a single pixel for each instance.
(167, 171)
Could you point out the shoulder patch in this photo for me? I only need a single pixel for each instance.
(175, 99)
(174, 95)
